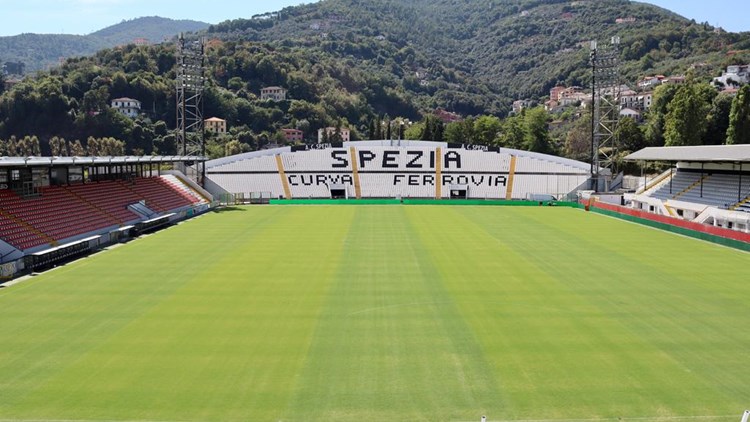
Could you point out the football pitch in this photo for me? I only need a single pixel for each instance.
(384, 313)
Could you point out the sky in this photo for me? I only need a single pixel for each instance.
(731, 15)
(86, 16)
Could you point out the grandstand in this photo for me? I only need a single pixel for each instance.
(48, 204)
(393, 169)
(704, 184)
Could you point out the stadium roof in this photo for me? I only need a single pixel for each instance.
(700, 154)
(77, 161)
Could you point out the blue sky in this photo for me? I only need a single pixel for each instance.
(85, 16)
(729, 14)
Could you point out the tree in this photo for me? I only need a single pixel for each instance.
(685, 122)
(58, 147)
(630, 135)
(513, 132)
(232, 147)
(537, 134)
(739, 118)
(414, 131)
(371, 131)
(455, 133)
(578, 141)
(663, 95)
(433, 129)
(11, 147)
(487, 130)
(76, 149)
(718, 120)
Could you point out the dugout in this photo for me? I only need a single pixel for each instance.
(152, 225)
(60, 254)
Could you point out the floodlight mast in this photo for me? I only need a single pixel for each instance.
(605, 99)
(191, 71)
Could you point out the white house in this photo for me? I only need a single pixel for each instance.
(275, 93)
(735, 75)
(650, 82)
(629, 112)
(636, 101)
(127, 106)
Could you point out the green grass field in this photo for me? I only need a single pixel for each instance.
(287, 313)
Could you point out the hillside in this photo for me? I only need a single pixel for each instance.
(516, 49)
(355, 62)
(40, 51)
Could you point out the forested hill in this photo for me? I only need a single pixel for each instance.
(354, 62)
(518, 48)
(39, 51)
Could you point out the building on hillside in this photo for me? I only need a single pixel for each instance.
(127, 106)
(274, 93)
(650, 82)
(735, 75)
(573, 96)
(215, 125)
(519, 105)
(629, 19)
(552, 106)
(554, 93)
(636, 101)
(330, 133)
(629, 112)
(674, 80)
(293, 135)
(140, 41)
(447, 116)
(570, 92)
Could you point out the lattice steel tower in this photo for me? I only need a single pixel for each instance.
(605, 69)
(191, 71)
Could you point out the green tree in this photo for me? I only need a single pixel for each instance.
(578, 140)
(514, 132)
(537, 134)
(656, 116)
(630, 135)
(487, 130)
(718, 120)
(685, 122)
(739, 118)
(414, 132)
(232, 147)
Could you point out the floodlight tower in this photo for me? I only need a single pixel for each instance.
(605, 96)
(191, 71)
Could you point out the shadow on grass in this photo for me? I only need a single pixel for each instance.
(229, 209)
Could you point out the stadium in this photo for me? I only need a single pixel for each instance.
(373, 280)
